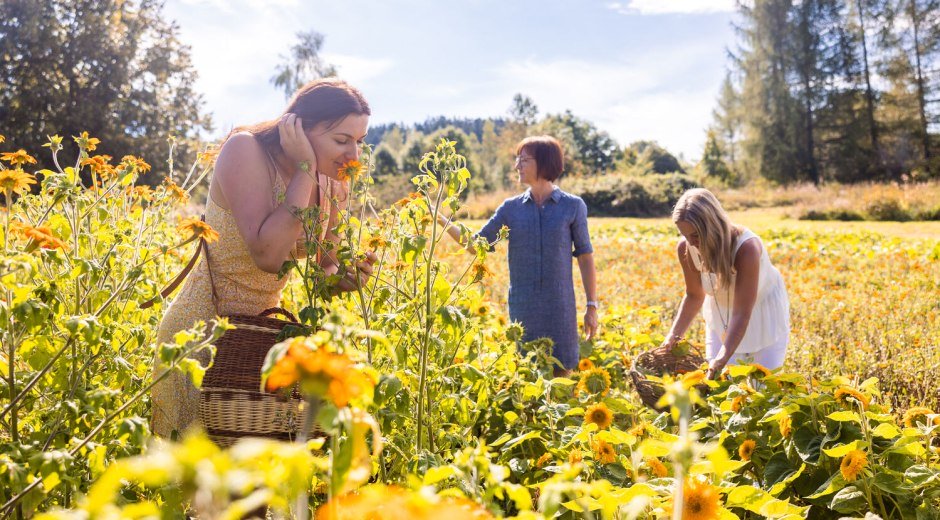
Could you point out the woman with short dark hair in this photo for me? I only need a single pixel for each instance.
(546, 228)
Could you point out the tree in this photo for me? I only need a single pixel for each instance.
(385, 163)
(589, 150)
(523, 110)
(113, 68)
(728, 125)
(713, 163)
(302, 64)
(658, 158)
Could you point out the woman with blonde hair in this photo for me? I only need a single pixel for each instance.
(728, 275)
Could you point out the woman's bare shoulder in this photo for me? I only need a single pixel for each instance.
(238, 151)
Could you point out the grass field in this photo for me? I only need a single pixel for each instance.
(865, 296)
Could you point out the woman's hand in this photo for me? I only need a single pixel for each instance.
(357, 278)
(294, 142)
(590, 322)
(715, 366)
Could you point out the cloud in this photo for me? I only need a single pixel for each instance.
(357, 69)
(652, 7)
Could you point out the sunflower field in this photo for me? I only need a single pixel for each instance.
(431, 406)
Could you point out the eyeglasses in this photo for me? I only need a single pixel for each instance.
(522, 158)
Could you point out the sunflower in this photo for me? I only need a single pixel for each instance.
(196, 228)
(765, 372)
(846, 395)
(575, 456)
(747, 449)
(604, 452)
(482, 309)
(585, 364)
(786, 426)
(479, 271)
(600, 415)
(86, 143)
(594, 381)
(15, 181)
(657, 467)
(701, 500)
(349, 170)
(852, 464)
(18, 158)
(918, 414)
(625, 359)
(737, 403)
(208, 157)
(2, 139)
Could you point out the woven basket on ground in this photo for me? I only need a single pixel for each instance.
(231, 404)
(659, 362)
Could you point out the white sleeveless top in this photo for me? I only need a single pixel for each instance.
(770, 318)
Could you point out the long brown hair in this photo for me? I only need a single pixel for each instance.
(326, 100)
(717, 234)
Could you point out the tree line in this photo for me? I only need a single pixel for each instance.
(830, 90)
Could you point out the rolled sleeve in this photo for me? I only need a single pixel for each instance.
(580, 236)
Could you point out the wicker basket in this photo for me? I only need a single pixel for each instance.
(659, 362)
(231, 404)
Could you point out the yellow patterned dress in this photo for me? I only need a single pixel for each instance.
(241, 287)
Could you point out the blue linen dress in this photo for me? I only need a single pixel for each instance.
(542, 241)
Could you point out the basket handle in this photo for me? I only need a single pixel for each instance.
(278, 310)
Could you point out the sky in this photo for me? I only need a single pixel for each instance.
(637, 69)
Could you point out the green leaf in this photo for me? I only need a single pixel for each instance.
(835, 483)
(886, 431)
(807, 443)
(841, 450)
(845, 416)
(439, 473)
(848, 500)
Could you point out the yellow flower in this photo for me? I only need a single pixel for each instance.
(18, 158)
(600, 415)
(349, 170)
(376, 242)
(136, 163)
(765, 372)
(625, 359)
(2, 139)
(479, 271)
(86, 143)
(208, 157)
(702, 501)
(196, 228)
(174, 191)
(657, 467)
(594, 381)
(638, 430)
(747, 449)
(604, 452)
(482, 309)
(585, 364)
(846, 395)
(381, 502)
(737, 403)
(852, 464)
(543, 460)
(575, 456)
(786, 426)
(41, 236)
(320, 371)
(15, 181)
(100, 164)
(693, 378)
(918, 414)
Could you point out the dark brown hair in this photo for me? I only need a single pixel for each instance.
(548, 155)
(326, 100)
